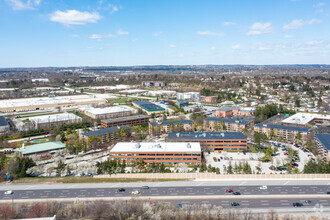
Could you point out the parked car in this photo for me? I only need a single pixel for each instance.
(285, 153)
(297, 204)
(234, 204)
(236, 193)
(121, 190)
(229, 191)
(9, 192)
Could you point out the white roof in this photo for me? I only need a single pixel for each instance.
(51, 100)
(108, 110)
(157, 147)
(304, 118)
(54, 118)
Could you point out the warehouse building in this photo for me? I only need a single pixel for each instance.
(148, 107)
(157, 152)
(323, 145)
(190, 96)
(230, 125)
(4, 125)
(154, 83)
(213, 141)
(128, 121)
(108, 112)
(50, 121)
(164, 127)
(107, 135)
(51, 103)
(288, 133)
(43, 150)
(306, 119)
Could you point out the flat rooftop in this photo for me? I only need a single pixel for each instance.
(3, 121)
(174, 122)
(157, 147)
(149, 106)
(228, 120)
(133, 117)
(105, 131)
(37, 148)
(206, 135)
(54, 118)
(108, 110)
(282, 127)
(304, 118)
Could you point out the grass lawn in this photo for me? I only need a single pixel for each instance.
(122, 100)
(78, 114)
(87, 180)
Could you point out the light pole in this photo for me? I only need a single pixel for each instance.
(12, 201)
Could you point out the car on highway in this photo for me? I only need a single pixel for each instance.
(236, 193)
(297, 204)
(263, 187)
(135, 192)
(229, 191)
(234, 204)
(308, 201)
(145, 187)
(9, 192)
(121, 190)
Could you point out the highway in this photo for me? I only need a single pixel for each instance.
(278, 193)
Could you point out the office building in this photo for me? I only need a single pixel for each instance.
(128, 121)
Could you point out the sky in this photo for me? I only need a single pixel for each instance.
(42, 33)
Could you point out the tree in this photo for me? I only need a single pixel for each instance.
(297, 103)
(230, 169)
(60, 167)
(272, 133)
(298, 137)
(123, 132)
(140, 164)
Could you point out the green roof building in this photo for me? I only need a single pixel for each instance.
(42, 150)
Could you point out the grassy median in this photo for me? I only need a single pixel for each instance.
(88, 180)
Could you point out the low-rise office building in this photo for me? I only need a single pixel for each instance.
(128, 121)
(107, 135)
(157, 152)
(306, 119)
(4, 125)
(213, 141)
(323, 145)
(210, 99)
(182, 103)
(190, 96)
(108, 112)
(225, 124)
(148, 107)
(49, 121)
(288, 133)
(163, 127)
(43, 150)
(229, 111)
(154, 83)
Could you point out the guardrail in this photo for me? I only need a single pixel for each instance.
(215, 176)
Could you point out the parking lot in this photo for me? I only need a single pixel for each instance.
(254, 159)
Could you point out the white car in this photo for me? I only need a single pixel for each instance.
(263, 187)
(9, 192)
(135, 192)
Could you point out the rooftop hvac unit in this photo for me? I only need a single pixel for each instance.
(188, 145)
(177, 134)
(204, 134)
(137, 145)
(222, 134)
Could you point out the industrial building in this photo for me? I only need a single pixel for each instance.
(48, 121)
(288, 133)
(323, 145)
(108, 112)
(107, 135)
(128, 121)
(230, 125)
(164, 127)
(51, 103)
(157, 152)
(190, 96)
(213, 141)
(154, 83)
(148, 107)
(306, 119)
(43, 150)
(4, 125)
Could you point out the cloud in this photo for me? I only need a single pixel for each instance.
(113, 8)
(24, 4)
(210, 33)
(135, 39)
(314, 42)
(171, 45)
(260, 28)
(319, 5)
(75, 35)
(299, 23)
(122, 32)
(228, 23)
(99, 37)
(157, 34)
(236, 47)
(288, 36)
(213, 48)
(74, 17)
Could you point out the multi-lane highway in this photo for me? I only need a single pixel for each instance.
(278, 193)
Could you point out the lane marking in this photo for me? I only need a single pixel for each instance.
(286, 183)
(242, 183)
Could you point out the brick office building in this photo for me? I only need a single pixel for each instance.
(157, 152)
(230, 125)
(128, 121)
(213, 141)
